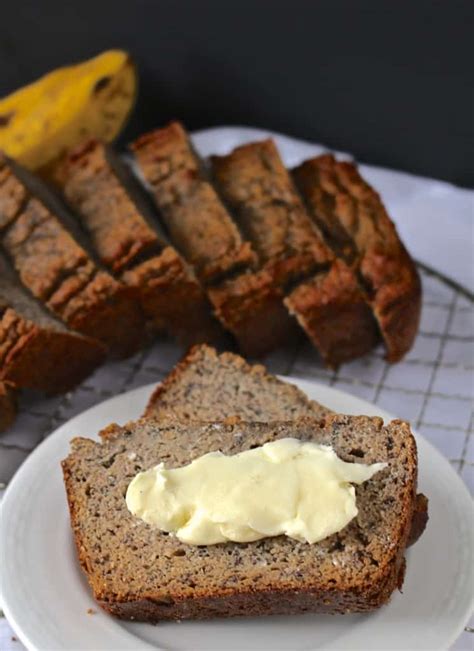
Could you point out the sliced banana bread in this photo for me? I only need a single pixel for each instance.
(138, 572)
(256, 186)
(36, 350)
(7, 405)
(54, 265)
(260, 192)
(246, 301)
(198, 223)
(124, 234)
(333, 310)
(357, 226)
(207, 386)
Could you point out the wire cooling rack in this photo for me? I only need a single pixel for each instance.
(433, 387)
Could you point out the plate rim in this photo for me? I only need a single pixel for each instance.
(59, 434)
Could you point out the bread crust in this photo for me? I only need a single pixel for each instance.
(264, 602)
(357, 226)
(338, 591)
(7, 405)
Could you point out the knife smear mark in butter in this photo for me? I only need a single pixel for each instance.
(300, 489)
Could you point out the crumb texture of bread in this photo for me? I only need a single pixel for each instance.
(59, 271)
(7, 405)
(138, 572)
(356, 224)
(208, 386)
(197, 221)
(125, 236)
(36, 350)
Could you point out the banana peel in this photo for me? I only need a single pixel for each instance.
(93, 99)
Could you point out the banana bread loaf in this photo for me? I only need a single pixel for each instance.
(36, 350)
(207, 386)
(7, 405)
(125, 236)
(57, 269)
(356, 224)
(138, 572)
(259, 190)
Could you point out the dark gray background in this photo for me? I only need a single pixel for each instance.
(389, 81)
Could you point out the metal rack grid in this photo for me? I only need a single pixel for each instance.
(432, 387)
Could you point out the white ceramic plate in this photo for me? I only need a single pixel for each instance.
(46, 598)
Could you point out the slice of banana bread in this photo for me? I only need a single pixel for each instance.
(7, 405)
(207, 386)
(246, 300)
(54, 265)
(107, 201)
(36, 350)
(358, 227)
(259, 190)
(198, 223)
(138, 572)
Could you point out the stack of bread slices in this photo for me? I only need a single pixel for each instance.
(236, 251)
(213, 402)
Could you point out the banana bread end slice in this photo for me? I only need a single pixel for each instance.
(138, 572)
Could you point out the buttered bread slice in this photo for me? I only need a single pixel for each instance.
(137, 571)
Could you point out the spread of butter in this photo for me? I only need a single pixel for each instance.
(291, 487)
